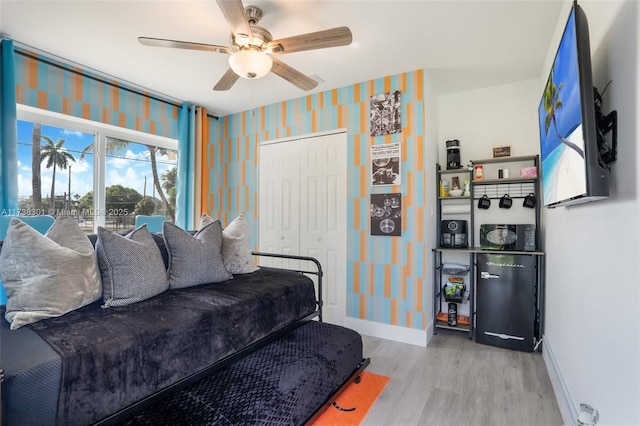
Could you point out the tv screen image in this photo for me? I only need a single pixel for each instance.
(562, 136)
(566, 114)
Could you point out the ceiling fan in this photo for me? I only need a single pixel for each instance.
(252, 47)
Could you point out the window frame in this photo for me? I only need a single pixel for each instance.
(101, 132)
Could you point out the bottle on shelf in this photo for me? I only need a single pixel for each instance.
(478, 172)
(444, 188)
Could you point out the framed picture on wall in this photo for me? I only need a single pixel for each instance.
(386, 214)
(385, 113)
(501, 151)
(385, 164)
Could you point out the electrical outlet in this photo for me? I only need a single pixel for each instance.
(588, 415)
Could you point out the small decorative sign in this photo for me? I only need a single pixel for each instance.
(501, 151)
(386, 214)
(385, 113)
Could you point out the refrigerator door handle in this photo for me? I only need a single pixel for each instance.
(486, 275)
(503, 336)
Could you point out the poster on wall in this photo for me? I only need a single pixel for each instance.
(385, 113)
(386, 214)
(385, 164)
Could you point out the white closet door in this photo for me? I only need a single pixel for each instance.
(303, 210)
(323, 216)
(279, 203)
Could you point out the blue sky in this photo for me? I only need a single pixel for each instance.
(125, 168)
(566, 72)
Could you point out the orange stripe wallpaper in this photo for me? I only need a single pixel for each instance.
(385, 275)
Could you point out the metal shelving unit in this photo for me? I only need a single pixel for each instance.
(517, 188)
(440, 254)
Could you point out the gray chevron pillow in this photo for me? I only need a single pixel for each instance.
(131, 266)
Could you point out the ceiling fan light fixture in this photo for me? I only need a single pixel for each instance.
(250, 64)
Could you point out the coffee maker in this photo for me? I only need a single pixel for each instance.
(453, 154)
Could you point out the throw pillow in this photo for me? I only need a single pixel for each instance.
(49, 275)
(194, 259)
(205, 219)
(131, 266)
(236, 245)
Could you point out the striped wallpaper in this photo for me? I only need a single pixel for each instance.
(46, 84)
(386, 276)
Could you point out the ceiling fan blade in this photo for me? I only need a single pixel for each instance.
(228, 79)
(163, 42)
(233, 12)
(340, 36)
(293, 76)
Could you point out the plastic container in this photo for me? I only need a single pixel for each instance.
(478, 172)
(444, 188)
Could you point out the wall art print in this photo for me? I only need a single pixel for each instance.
(385, 113)
(385, 164)
(386, 214)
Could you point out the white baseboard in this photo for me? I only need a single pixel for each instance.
(386, 331)
(560, 389)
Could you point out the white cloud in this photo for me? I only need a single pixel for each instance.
(129, 159)
(72, 133)
(24, 167)
(130, 179)
(81, 166)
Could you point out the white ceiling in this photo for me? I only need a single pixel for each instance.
(463, 44)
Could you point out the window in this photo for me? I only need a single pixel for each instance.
(98, 174)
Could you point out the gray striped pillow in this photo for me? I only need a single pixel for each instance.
(131, 266)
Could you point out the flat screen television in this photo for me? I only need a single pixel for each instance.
(571, 170)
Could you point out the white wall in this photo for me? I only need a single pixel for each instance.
(493, 116)
(592, 342)
(505, 115)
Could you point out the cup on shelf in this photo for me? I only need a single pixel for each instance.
(529, 201)
(484, 202)
(505, 202)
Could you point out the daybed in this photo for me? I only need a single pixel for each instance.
(113, 357)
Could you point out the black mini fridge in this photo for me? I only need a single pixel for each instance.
(506, 300)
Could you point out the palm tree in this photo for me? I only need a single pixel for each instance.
(156, 178)
(56, 156)
(36, 182)
(551, 104)
(115, 145)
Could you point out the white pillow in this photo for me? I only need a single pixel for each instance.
(236, 245)
(46, 276)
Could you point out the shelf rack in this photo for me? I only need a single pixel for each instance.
(516, 187)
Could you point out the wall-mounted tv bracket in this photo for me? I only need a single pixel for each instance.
(607, 154)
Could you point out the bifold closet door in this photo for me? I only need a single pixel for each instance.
(279, 203)
(303, 198)
(323, 216)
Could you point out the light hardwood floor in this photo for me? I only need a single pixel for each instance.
(455, 381)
